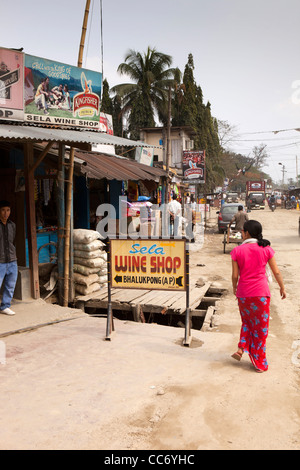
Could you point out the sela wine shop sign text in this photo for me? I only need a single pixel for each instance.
(148, 264)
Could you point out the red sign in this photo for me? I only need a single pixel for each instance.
(193, 164)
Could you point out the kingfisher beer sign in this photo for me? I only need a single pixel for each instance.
(193, 166)
(61, 94)
(148, 264)
(48, 92)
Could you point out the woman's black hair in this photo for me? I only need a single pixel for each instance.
(254, 228)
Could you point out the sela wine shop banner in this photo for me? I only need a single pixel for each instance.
(61, 94)
(44, 92)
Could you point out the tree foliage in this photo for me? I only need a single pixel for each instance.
(192, 111)
(147, 96)
(145, 100)
(239, 168)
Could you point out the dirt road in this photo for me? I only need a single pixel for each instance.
(64, 387)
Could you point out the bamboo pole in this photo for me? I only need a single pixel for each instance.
(68, 227)
(69, 194)
(61, 222)
(83, 33)
(31, 222)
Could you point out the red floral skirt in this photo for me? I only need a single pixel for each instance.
(255, 313)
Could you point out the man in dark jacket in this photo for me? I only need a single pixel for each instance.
(8, 258)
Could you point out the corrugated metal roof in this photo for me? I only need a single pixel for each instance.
(43, 134)
(99, 165)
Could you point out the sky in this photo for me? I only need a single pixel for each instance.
(246, 56)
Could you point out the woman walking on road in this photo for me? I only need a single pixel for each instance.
(250, 263)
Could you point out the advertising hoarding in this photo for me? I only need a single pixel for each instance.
(144, 155)
(60, 94)
(11, 85)
(193, 166)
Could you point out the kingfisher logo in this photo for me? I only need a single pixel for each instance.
(87, 103)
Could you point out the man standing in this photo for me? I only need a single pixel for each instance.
(239, 218)
(8, 258)
(175, 213)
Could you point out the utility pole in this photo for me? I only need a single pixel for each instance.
(283, 171)
(168, 148)
(297, 178)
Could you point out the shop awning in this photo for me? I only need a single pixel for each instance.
(99, 165)
(25, 133)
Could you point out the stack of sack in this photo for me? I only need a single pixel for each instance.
(90, 261)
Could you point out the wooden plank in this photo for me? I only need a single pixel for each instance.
(149, 300)
(131, 295)
(196, 295)
(31, 221)
(198, 313)
(156, 298)
(98, 294)
(210, 300)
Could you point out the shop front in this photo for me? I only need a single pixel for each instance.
(35, 174)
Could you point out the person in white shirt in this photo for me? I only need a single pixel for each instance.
(191, 219)
(175, 214)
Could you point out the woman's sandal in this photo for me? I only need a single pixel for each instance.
(237, 356)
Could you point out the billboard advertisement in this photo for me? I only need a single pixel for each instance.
(11, 85)
(193, 166)
(60, 94)
(144, 155)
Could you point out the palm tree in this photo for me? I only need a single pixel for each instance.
(147, 96)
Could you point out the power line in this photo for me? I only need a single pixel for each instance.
(272, 132)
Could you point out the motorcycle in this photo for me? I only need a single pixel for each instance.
(273, 207)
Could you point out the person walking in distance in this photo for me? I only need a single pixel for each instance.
(175, 213)
(250, 275)
(8, 258)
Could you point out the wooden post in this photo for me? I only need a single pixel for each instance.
(69, 196)
(31, 222)
(61, 222)
(71, 263)
(110, 320)
(187, 334)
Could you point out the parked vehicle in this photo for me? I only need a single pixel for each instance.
(226, 214)
(291, 204)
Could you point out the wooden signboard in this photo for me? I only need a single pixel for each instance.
(148, 264)
(160, 264)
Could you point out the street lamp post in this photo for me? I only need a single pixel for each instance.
(283, 171)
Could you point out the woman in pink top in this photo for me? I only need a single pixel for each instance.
(250, 261)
